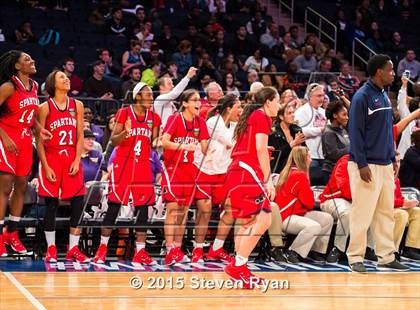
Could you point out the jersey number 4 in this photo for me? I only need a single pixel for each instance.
(28, 119)
(137, 148)
(66, 138)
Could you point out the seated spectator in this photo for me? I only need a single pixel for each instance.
(324, 75)
(92, 160)
(132, 57)
(336, 200)
(112, 67)
(109, 127)
(229, 85)
(270, 77)
(306, 63)
(294, 33)
(96, 145)
(284, 136)
(97, 130)
(252, 77)
(342, 30)
(183, 58)
(151, 74)
(375, 39)
(257, 25)
(194, 37)
(410, 166)
(348, 82)
(24, 33)
(135, 77)
(296, 202)
(396, 47)
(167, 40)
(335, 62)
(164, 104)
(271, 38)
(256, 62)
(242, 43)
(311, 117)
(146, 36)
(286, 44)
(116, 25)
(214, 92)
(219, 48)
(319, 48)
(409, 63)
(289, 96)
(206, 67)
(229, 64)
(97, 86)
(76, 84)
(172, 72)
(335, 139)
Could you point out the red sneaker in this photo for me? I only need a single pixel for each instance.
(242, 275)
(142, 258)
(198, 256)
(3, 251)
(175, 255)
(13, 240)
(51, 255)
(74, 254)
(100, 256)
(219, 255)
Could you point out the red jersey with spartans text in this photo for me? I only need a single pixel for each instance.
(19, 110)
(184, 132)
(246, 149)
(62, 124)
(138, 141)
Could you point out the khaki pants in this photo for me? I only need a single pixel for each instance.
(404, 217)
(340, 210)
(372, 206)
(313, 232)
(275, 230)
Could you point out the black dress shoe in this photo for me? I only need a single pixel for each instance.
(334, 255)
(394, 265)
(316, 257)
(411, 253)
(278, 254)
(370, 255)
(292, 257)
(358, 267)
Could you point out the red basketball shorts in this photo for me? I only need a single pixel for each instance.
(131, 178)
(179, 185)
(244, 186)
(65, 186)
(213, 186)
(19, 163)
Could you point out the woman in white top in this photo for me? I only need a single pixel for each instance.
(256, 62)
(221, 123)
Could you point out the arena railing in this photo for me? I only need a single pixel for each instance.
(288, 5)
(360, 51)
(319, 24)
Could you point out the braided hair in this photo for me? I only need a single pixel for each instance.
(223, 104)
(260, 98)
(7, 65)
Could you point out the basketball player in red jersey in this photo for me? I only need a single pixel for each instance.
(60, 170)
(221, 122)
(136, 127)
(248, 182)
(181, 136)
(18, 107)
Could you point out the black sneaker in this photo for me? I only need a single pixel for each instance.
(394, 265)
(334, 256)
(292, 257)
(278, 254)
(358, 267)
(370, 255)
(411, 253)
(316, 257)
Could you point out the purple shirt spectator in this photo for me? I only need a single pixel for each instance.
(91, 165)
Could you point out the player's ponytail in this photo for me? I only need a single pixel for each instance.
(223, 104)
(7, 65)
(260, 98)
